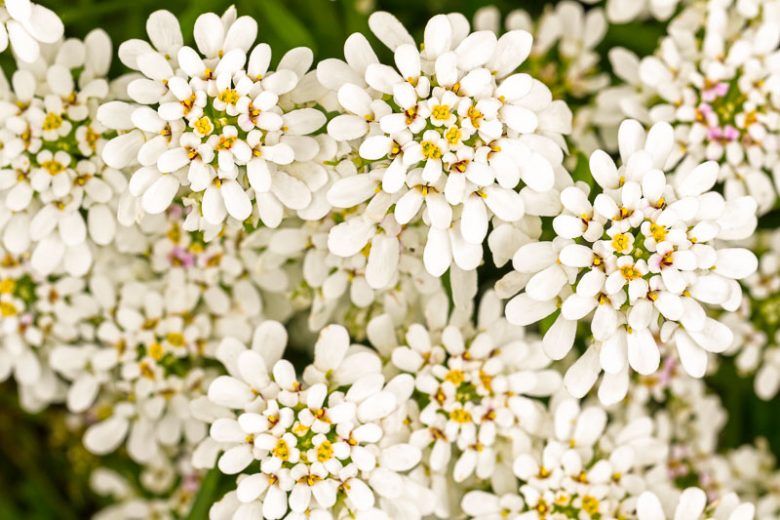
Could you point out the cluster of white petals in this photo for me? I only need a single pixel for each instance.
(642, 257)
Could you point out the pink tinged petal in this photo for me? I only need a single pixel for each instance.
(523, 310)
(643, 353)
(736, 263)
(158, 197)
(692, 357)
(582, 375)
(559, 338)
(505, 204)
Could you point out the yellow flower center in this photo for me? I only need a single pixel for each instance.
(203, 126)
(156, 351)
(658, 232)
(226, 142)
(7, 309)
(455, 377)
(430, 150)
(52, 122)
(228, 96)
(441, 112)
(452, 135)
(7, 286)
(281, 450)
(590, 504)
(460, 415)
(621, 242)
(53, 167)
(175, 338)
(324, 451)
(630, 273)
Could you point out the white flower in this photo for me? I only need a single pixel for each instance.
(692, 504)
(713, 81)
(216, 122)
(26, 25)
(642, 251)
(317, 447)
(454, 135)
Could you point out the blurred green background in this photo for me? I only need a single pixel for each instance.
(43, 470)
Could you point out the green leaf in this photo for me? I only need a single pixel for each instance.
(284, 24)
(207, 495)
